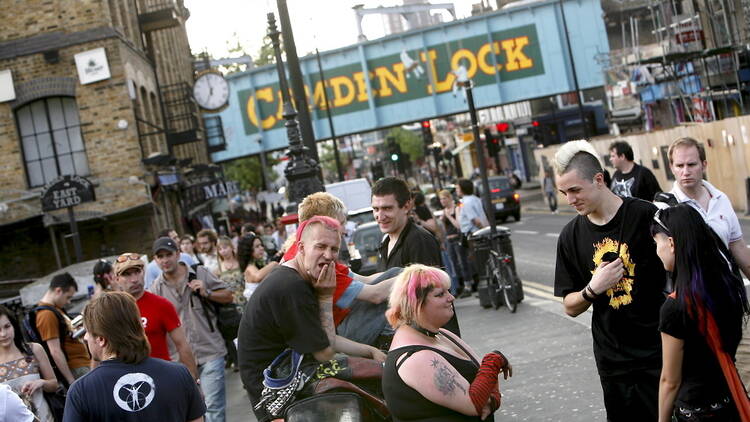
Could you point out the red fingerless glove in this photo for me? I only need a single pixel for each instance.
(485, 383)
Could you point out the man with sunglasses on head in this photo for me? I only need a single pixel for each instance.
(158, 316)
(193, 292)
(607, 259)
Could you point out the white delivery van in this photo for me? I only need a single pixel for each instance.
(356, 193)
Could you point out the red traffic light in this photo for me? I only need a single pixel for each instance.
(426, 124)
(535, 123)
(502, 127)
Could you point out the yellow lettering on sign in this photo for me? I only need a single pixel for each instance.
(464, 54)
(339, 98)
(484, 65)
(385, 77)
(318, 98)
(440, 86)
(515, 57)
(359, 78)
(264, 94)
(280, 108)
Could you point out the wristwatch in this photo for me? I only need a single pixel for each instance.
(208, 292)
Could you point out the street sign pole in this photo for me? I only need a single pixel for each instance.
(467, 84)
(75, 235)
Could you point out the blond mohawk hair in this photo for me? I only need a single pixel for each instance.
(569, 150)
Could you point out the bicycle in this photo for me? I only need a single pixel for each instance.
(500, 281)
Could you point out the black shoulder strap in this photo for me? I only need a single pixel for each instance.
(622, 225)
(460, 346)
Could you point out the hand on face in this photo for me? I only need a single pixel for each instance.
(326, 282)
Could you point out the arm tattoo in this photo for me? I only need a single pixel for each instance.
(445, 379)
(326, 321)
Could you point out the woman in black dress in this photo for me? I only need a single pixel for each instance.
(701, 321)
(430, 374)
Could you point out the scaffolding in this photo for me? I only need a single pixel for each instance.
(688, 55)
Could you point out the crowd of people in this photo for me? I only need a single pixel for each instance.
(160, 331)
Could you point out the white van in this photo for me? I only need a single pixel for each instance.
(356, 194)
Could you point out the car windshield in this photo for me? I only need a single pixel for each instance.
(500, 183)
(367, 239)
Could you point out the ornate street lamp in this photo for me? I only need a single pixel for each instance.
(302, 171)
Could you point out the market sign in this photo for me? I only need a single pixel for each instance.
(201, 190)
(221, 189)
(67, 191)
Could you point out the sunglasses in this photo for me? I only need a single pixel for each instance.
(659, 222)
(128, 256)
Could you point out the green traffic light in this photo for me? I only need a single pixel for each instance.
(394, 157)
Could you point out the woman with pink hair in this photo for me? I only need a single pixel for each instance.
(430, 374)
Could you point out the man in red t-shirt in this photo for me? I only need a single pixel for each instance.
(158, 316)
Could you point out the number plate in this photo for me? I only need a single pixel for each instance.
(499, 206)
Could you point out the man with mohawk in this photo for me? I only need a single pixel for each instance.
(607, 258)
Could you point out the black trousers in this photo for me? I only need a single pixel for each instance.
(633, 396)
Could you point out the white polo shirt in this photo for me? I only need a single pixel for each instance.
(720, 214)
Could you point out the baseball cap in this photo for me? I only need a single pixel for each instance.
(165, 243)
(126, 261)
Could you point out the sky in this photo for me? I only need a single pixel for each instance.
(325, 24)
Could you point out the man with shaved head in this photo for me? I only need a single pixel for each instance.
(293, 308)
(607, 259)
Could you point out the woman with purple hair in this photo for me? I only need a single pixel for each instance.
(430, 374)
(701, 322)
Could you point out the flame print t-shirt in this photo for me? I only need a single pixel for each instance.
(625, 321)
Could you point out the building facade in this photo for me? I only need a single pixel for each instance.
(98, 89)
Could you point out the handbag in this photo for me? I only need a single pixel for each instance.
(56, 402)
(228, 317)
(282, 380)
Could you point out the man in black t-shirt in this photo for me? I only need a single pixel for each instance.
(293, 308)
(607, 258)
(631, 180)
(128, 385)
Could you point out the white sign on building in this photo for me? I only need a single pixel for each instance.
(7, 92)
(92, 66)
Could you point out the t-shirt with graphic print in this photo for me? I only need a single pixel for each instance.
(153, 390)
(625, 320)
(638, 183)
(159, 319)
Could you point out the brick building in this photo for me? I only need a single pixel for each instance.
(101, 89)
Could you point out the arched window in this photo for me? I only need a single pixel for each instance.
(51, 140)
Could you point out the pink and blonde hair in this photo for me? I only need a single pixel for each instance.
(327, 222)
(410, 290)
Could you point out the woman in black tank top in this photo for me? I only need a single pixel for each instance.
(430, 374)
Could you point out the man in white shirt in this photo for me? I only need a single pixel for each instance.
(687, 159)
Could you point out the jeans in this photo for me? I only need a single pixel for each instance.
(214, 389)
(450, 269)
(552, 201)
(459, 257)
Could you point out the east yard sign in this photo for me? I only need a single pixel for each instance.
(511, 56)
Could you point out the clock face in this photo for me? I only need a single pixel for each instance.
(211, 91)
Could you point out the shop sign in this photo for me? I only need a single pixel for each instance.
(92, 66)
(67, 191)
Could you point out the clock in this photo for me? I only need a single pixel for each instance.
(211, 90)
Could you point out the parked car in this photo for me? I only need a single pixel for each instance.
(505, 200)
(366, 239)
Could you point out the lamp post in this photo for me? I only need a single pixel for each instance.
(302, 171)
(339, 170)
(298, 87)
(463, 80)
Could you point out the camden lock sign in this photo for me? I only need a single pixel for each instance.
(66, 191)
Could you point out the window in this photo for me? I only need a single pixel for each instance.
(51, 140)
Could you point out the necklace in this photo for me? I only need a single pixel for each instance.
(423, 330)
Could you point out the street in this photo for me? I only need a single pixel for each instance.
(555, 376)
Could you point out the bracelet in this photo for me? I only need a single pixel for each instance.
(586, 296)
(593, 293)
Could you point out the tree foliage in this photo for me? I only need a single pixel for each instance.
(410, 142)
(266, 54)
(247, 171)
(328, 162)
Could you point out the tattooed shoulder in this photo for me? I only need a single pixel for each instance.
(445, 379)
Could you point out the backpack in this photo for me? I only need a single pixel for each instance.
(227, 315)
(31, 333)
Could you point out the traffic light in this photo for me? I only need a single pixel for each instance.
(493, 143)
(502, 127)
(394, 149)
(536, 132)
(426, 132)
